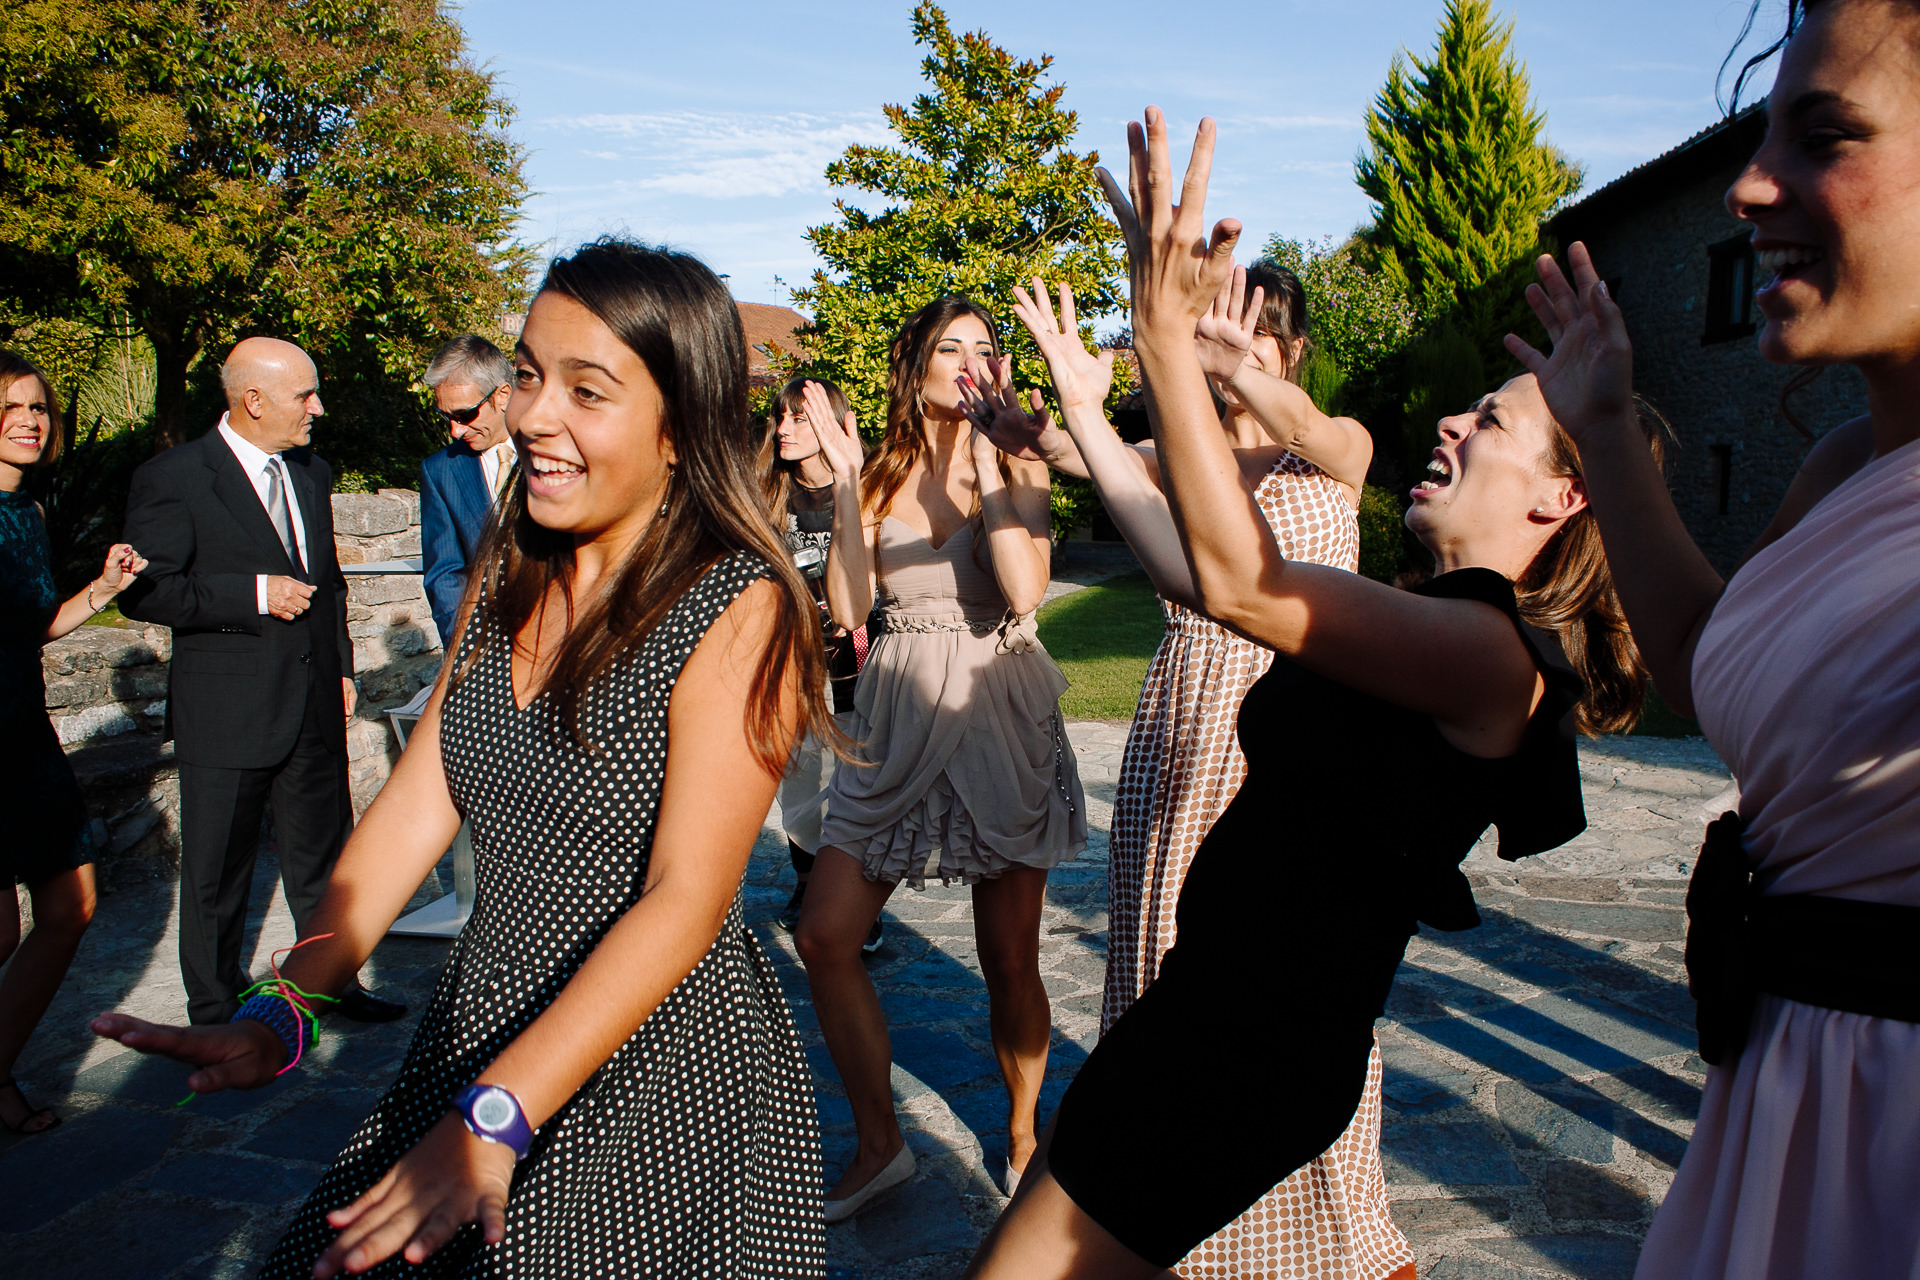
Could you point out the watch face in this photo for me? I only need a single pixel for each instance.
(493, 1111)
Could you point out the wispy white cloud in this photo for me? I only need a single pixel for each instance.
(724, 155)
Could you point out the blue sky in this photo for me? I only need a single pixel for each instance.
(707, 126)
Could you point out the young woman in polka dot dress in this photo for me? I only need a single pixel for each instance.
(634, 667)
(1183, 764)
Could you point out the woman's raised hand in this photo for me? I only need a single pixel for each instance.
(1176, 267)
(1081, 378)
(995, 409)
(1589, 377)
(1223, 338)
(233, 1055)
(839, 440)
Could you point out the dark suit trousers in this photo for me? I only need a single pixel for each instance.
(220, 812)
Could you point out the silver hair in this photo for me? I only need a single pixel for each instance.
(469, 360)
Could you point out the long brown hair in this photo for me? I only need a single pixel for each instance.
(1568, 589)
(673, 313)
(13, 367)
(777, 477)
(904, 440)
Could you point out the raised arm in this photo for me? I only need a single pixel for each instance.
(1361, 633)
(1666, 585)
(1127, 485)
(1340, 447)
(122, 567)
(851, 557)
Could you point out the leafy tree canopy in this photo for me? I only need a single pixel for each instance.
(981, 194)
(1456, 162)
(335, 172)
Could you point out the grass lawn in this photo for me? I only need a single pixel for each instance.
(1103, 638)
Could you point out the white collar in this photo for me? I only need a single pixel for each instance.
(253, 459)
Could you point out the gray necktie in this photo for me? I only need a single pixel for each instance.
(277, 512)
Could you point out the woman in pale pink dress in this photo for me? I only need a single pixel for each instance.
(1805, 673)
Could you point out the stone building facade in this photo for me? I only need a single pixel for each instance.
(1682, 270)
(107, 689)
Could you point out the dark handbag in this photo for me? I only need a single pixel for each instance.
(1719, 974)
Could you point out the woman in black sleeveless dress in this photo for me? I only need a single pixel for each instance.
(607, 1081)
(1393, 728)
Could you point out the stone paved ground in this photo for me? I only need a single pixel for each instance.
(1540, 1076)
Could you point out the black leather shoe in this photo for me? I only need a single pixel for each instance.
(361, 1005)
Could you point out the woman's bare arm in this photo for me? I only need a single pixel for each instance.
(851, 557)
(1015, 510)
(1666, 585)
(1340, 447)
(1358, 632)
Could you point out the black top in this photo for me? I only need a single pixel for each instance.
(1248, 1055)
(27, 604)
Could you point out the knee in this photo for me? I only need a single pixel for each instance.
(1010, 968)
(817, 944)
(65, 906)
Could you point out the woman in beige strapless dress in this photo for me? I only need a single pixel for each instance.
(962, 767)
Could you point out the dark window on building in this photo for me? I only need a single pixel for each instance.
(1722, 477)
(1729, 290)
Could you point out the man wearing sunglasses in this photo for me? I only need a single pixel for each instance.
(462, 483)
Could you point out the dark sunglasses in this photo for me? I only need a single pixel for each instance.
(465, 417)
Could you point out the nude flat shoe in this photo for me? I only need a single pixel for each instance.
(1012, 1180)
(898, 1170)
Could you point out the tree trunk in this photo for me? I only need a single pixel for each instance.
(173, 351)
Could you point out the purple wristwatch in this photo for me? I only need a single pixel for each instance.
(494, 1115)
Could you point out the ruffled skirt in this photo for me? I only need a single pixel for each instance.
(962, 751)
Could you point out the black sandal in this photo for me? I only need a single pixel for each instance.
(53, 1120)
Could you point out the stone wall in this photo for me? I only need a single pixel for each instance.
(107, 690)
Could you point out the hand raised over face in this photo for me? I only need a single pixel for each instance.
(839, 440)
(1000, 420)
(1589, 378)
(1223, 337)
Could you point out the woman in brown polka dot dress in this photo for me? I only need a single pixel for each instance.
(1183, 765)
(607, 1081)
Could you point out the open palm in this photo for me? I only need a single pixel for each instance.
(839, 439)
(1081, 378)
(1589, 377)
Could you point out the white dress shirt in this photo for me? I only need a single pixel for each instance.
(494, 466)
(255, 461)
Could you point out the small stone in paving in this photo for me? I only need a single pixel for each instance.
(922, 1217)
(1415, 1084)
(1579, 1128)
(1590, 1257)
(939, 1059)
(93, 1153)
(137, 1234)
(314, 1130)
(1417, 1218)
(231, 1178)
(1461, 1155)
(1580, 1193)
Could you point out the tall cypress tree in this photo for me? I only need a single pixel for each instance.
(1457, 163)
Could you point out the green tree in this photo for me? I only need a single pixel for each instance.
(335, 172)
(1457, 164)
(981, 194)
(1360, 316)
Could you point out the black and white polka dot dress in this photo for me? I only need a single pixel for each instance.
(695, 1150)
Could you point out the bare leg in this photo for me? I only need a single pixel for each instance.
(1006, 926)
(62, 909)
(1043, 1235)
(840, 907)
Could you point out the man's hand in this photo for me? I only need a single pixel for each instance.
(287, 597)
(349, 694)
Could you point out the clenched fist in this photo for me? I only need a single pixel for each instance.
(287, 597)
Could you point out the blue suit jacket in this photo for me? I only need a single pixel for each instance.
(454, 510)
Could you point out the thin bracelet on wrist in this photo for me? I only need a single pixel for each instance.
(91, 606)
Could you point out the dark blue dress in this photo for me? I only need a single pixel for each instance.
(47, 834)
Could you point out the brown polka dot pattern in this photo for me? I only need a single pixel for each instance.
(1182, 767)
